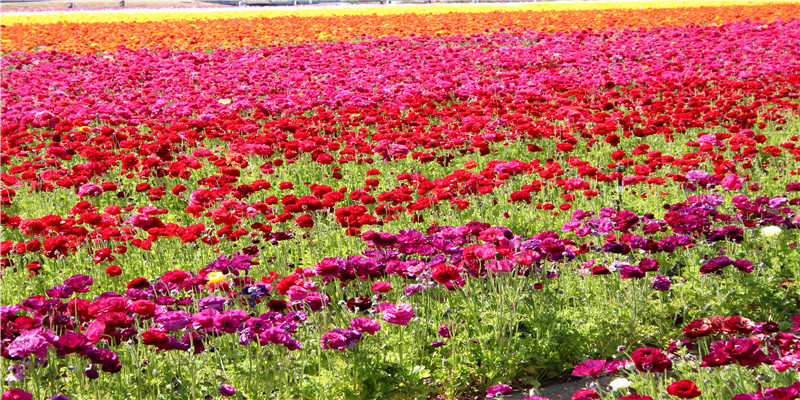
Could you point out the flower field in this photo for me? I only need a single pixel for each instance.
(402, 202)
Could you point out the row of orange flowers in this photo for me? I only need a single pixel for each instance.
(202, 34)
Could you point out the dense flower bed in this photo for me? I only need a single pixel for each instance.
(88, 32)
(482, 201)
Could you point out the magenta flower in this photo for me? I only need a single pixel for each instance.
(60, 291)
(381, 287)
(498, 390)
(16, 394)
(226, 323)
(340, 339)
(399, 314)
(661, 283)
(443, 331)
(29, 344)
(173, 320)
(227, 390)
(365, 325)
(274, 335)
(731, 182)
(592, 368)
(90, 190)
(79, 283)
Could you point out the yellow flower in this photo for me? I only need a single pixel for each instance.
(215, 277)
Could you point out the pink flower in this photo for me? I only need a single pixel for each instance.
(26, 345)
(498, 390)
(173, 320)
(399, 314)
(591, 368)
(381, 287)
(16, 394)
(731, 182)
(90, 190)
(365, 325)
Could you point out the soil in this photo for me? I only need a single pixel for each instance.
(560, 389)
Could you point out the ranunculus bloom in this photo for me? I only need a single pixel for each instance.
(498, 390)
(90, 190)
(770, 231)
(399, 314)
(381, 287)
(113, 270)
(366, 325)
(651, 360)
(661, 283)
(26, 345)
(227, 390)
(16, 394)
(684, 389)
(591, 368)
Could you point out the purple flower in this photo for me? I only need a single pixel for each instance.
(16, 373)
(58, 397)
(661, 283)
(79, 283)
(71, 342)
(413, 289)
(399, 314)
(498, 390)
(227, 390)
(340, 339)
(215, 302)
(365, 325)
(91, 372)
(173, 320)
(60, 291)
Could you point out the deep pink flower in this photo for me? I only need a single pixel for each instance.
(498, 390)
(591, 368)
(365, 325)
(16, 394)
(399, 314)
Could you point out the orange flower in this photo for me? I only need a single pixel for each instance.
(202, 33)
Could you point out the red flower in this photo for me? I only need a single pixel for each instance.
(155, 338)
(304, 221)
(651, 360)
(684, 389)
(113, 270)
(698, 328)
(443, 273)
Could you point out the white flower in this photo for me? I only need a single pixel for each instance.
(619, 383)
(770, 231)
